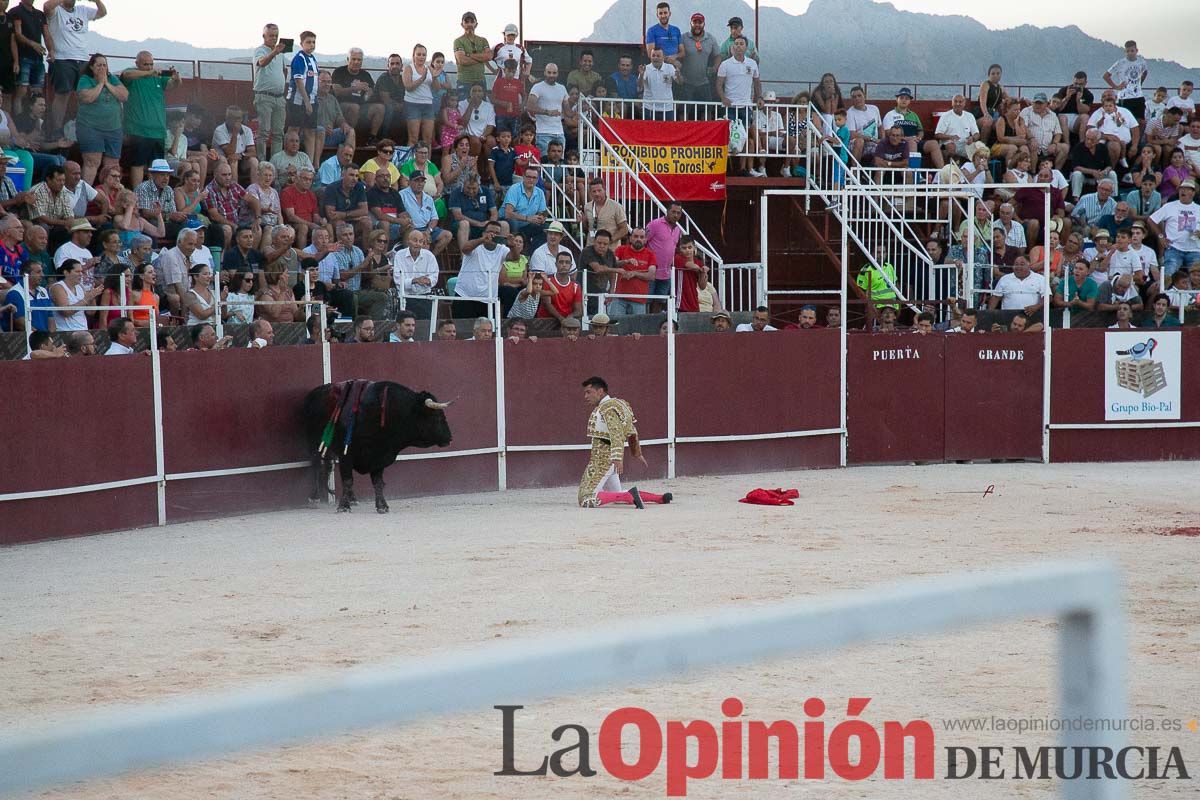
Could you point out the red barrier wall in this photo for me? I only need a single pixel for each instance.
(1077, 396)
(993, 386)
(895, 398)
(745, 384)
(544, 402)
(72, 423)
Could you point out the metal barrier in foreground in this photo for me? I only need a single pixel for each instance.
(1084, 597)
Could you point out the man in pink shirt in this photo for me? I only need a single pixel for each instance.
(662, 237)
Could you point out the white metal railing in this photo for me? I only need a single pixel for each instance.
(1085, 598)
(742, 287)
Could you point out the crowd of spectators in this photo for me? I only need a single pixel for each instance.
(350, 189)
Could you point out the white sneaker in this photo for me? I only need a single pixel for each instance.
(754, 172)
(785, 171)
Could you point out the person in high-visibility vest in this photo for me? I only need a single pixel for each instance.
(871, 280)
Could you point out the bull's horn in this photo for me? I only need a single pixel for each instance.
(435, 405)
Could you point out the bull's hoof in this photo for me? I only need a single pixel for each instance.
(314, 501)
(343, 508)
(382, 508)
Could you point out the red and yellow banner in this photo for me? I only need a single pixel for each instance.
(685, 159)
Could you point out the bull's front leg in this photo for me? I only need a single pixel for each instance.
(377, 481)
(346, 468)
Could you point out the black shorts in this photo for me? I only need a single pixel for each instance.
(297, 117)
(64, 75)
(1135, 106)
(8, 80)
(143, 150)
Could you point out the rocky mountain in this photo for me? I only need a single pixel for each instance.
(861, 40)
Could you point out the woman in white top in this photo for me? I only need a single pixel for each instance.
(200, 301)
(418, 96)
(68, 293)
(263, 201)
(1019, 173)
(241, 298)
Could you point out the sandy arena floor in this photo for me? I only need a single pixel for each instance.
(153, 613)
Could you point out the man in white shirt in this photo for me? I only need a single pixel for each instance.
(759, 322)
(1045, 131)
(415, 271)
(543, 259)
(1178, 222)
(770, 134)
(234, 142)
(738, 89)
(1126, 76)
(482, 259)
(1190, 145)
(1183, 100)
(956, 131)
(123, 335)
(864, 123)
(478, 120)
(1019, 290)
(1118, 128)
(546, 105)
(1123, 261)
(656, 81)
(510, 49)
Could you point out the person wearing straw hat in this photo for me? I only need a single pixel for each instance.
(545, 258)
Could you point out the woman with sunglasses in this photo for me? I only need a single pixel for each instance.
(241, 298)
(384, 150)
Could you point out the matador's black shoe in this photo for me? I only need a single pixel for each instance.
(637, 498)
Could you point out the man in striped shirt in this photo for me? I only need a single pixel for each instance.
(1091, 207)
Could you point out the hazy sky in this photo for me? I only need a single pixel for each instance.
(1156, 26)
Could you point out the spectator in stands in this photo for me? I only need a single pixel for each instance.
(225, 197)
(457, 164)
(482, 330)
(270, 82)
(346, 202)
(865, 124)
(68, 293)
(1091, 207)
(110, 259)
(1020, 289)
(122, 336)
(376, 270)
(479, 120)
(389, 92)
(77, 248)
(528, 300)
(21, 310)
(502, 162)
(908, 121)
(1120, 219)
(545, 257)
(41, 345)
(301, 207)
(243, 255)
(234, 143)
(1044, 131)
(29, 134)
(517, 331)
(759, 321)
(599, 265)
(421, 210)
(770, 135)
(1091, 163)
(330, 172)
(1131, 71)
(282, 296)
(1124, 317)
(66, 42)
(1077, 291)
(144, 293)
(482, 260)
(624, 80)
(420, 162)
(665, 35)
(584, 77)
(1163, 134)
(989, 99)
(1190, 145)
(508, 99)
(636, 266)
(827, 97)
(1143, 167)
(1120, 290)
(1118, 128)
(564, 297)
(262, 334)
(204, 337)
(1009, 129)
(175, 265)
(721, 322)
(386, 207)
(241, 293)
(447, 331)
(546, 104)
(289, 160)
(1157, 105)
(1014, 232)
(81, 344)
(262, 209)
(156, 203)
(146, 112)
(736, 29)
(10, 199)
(471, 207)
(699, 67)
(514, 272)
(525, 207)
(51, 206)
(415, 272)
(301, 94)
(1073, 104)
(1160, 317)
(471, 54)
(1174, 174)
(601, 212)
(418, 78)
(966, 322)
(29, 30)
(1183, 100)
(200, 301)
(891, 154)
(739, 87)
(84, 198)
(656, 82)
(1176, 224)
(99, 116)
(354, 89)
(662, 237)
(342, 268)
(1030, 203)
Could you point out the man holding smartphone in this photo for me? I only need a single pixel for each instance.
(146, 112)
(270, 79)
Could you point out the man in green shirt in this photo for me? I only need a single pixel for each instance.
(146, 112)
(471, 53)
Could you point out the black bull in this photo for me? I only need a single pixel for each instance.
(390, 417)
